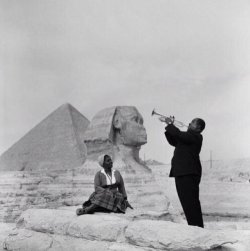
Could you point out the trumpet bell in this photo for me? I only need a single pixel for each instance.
(158, 114)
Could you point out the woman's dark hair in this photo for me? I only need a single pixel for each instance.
(106, 156)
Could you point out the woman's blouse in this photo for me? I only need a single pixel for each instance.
(102, 181)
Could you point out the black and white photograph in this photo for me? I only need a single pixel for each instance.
(124, 125)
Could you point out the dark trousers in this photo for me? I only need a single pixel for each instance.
(187, 187)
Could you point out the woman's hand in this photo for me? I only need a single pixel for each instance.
(128, 205)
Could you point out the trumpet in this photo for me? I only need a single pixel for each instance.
(175, 122)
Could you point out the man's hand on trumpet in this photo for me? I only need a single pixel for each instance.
(167, 120)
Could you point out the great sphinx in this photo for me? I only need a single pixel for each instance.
(119, 132)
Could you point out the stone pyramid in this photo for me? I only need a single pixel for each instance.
(55, 143)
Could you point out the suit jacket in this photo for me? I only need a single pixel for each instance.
(187, 145)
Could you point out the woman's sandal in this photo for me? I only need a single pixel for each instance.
(80, 211)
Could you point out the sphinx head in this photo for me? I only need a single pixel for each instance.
(114, 126)
(128, 127)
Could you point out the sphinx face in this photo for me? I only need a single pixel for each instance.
(129, 124)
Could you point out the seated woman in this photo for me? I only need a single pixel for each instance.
(110, 194)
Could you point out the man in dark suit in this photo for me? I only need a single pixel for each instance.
(186, 166)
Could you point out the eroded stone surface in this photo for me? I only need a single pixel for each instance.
(116, 229)
(5, 229)
(27, 240)
(106, 227)
(48, 189)
(172, 236)
(46, 220)
(23, 239)
(102, 227)
(126, 247)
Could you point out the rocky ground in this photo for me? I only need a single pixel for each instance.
(225, 207)
(230, 170)
(218, 198)
(61, 229)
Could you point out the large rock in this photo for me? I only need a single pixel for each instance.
(171, 236)
(43, 229)
(27, 240)
(20, 190)
(104, 227)
(5, 230)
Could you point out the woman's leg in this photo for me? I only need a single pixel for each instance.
(87, 210)
(91, 209)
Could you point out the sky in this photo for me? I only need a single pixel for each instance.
(187, 58)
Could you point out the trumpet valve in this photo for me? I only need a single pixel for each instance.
(162, 119)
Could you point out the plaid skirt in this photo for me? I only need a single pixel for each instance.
(107, 199)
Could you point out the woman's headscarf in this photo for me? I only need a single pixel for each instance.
(101, 159)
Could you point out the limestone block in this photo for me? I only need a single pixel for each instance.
(126, 247)
(62, 230)
(66, 243)
(27, 240)
(5, 229)
(172, 236)
(105, 227)
(22, 190)
(46, 220)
